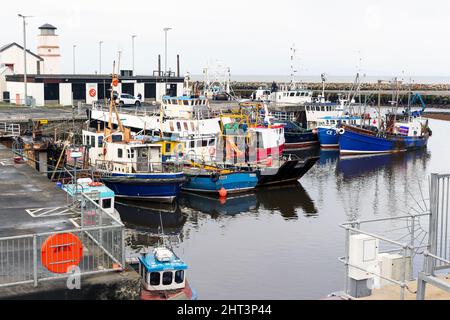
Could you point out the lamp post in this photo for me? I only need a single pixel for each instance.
(73, 55)
(132, 50)
(24, 57)
(100, 57)
(165, 48)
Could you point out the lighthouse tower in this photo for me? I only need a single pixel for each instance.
(48, 49)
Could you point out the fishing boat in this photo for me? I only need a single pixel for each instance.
(397, 133)
(213, 179)
(296, 137)
(131, 167)
(328, 128)
(163, 276)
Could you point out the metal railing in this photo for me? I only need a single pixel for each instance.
(9, 129)
(104, 166)
(26, 258)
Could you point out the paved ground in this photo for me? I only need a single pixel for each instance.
(21, 188)
(22, 114)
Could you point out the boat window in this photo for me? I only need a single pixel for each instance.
(179, 276)
(167, 278)
(119, 153)
(155, 278)
(106, 203)
(199, 143)
(298, 94)
(178, 126)
(171, 126)
(116, 138)
(211, 142)
(292, 94)
(204, 143)
(192, 144)
(185, 126)
(192, 126)
(93, 141)
(100, 141)
(167, 147)
(174, 101)
(186, 102)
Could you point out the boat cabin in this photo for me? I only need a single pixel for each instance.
(183, 107)
(334, 121)
(98, 192)
(162, 270)
(119, 156)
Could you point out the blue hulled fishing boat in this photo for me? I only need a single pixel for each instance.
(211, 179)
(329, 127)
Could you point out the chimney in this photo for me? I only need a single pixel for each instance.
(178, 65)
(159, 65)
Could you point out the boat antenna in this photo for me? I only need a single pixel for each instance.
(292, 66)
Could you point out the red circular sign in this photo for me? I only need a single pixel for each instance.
(92, 92)
(61, 251)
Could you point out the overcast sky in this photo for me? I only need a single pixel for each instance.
(252, 37)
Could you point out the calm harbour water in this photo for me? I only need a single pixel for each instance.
(284, 243)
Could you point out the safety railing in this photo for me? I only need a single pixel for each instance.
(95, 246)
(9, 129)
(107, 167)
(406, 249)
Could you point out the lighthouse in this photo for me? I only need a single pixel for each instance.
(48, 49)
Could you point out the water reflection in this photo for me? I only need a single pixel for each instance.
(215, 207)
(287, 200)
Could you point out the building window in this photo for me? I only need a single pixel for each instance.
(179, 276)
(155, 278)
(167, 278)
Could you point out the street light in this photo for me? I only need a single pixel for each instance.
(73, 55)
(24, 56)
(165, 49)
(100, 56)
(132, 50)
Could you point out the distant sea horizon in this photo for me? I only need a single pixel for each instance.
(331, 78)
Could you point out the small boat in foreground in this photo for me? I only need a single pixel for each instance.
(164, 276)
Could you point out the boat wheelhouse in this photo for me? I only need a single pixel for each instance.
(291, 96)
(164, 276)
(133, 168)
(183, 107)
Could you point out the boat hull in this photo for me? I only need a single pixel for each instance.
(296, 141)
(157, 187)
(232, 182)
(354, 142)
(187, 293)
(328, 138)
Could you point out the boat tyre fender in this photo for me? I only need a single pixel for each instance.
(341, 131)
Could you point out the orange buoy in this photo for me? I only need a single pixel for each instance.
(95, 184)
(115, 82)
(223, 192)
(61, 251)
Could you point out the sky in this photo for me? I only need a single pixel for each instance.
(252, 37)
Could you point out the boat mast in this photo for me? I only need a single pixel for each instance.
(292, 66)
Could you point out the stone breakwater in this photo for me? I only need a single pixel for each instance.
(436, 95)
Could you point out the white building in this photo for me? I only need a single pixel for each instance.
(11, 56)
(47, 85)
(48, 49)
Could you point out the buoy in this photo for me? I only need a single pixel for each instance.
(61, 251)
(222, 200)
(223, 192)
(95, 184)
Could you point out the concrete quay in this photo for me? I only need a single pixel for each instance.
(23, 191)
